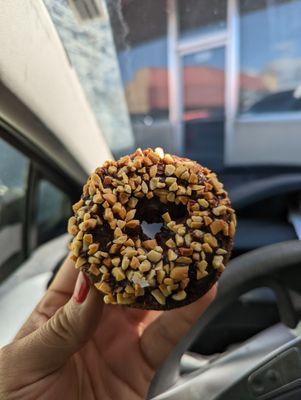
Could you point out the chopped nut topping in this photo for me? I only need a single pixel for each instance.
(109, 299)
(132, 202)
(231, 229)
(153, 171)
(206, 247)
(76, 247)
(144, 187)
(164, 290)
(104, 287)
(179, 273)
(117, 232)
(134, 223)
(184, 260)
(168, 159)
(181, 231)
(219, 210)
(115, 261)
(202, 265)
(121, 299)
(110, 197)
(94, 270)
(185, 176)
(160, 276)
(78, 205)
(181, 295)
(150, 244)
(185, 252)
(173, 187)
(154, 256)
(159, 296)
(129, 251)
(221, 251)
(118, 274)
(196, 246)
(179, 170)
(211, 240)
(166, 217)
(168, 281)
(171, 255)
(145, 266)
(201, 274)
(207, 220)
(135, 263)
(187, 239)
(97, 198)
(179, 240)
(93, 260)
(73, 230)
(170, 243)
(217, 225)
(120, 239)
(169, 169)
(93, 248)
(80, 262)
(217, 261)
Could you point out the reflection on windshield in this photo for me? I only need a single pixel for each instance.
(271, 54)
(166, 73)
(90, 48)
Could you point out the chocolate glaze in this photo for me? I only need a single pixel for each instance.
(151, 211)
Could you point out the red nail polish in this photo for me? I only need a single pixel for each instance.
(82, 288)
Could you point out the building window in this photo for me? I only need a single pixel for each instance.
(200, 17)
(203, 76)
(13, 184)
(270, 56)
(204, 85)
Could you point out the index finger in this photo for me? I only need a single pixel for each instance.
(65, 278)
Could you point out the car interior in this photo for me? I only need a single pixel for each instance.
(196, 78)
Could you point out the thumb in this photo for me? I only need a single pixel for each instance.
(49, 347)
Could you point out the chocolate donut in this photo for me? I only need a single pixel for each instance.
(187, 255)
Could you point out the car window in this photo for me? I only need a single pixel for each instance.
(13, 183)
(53, 211)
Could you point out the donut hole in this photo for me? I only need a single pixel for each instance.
(150, 211)
(151, 229)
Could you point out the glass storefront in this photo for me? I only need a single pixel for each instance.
(209, 79)
(200, 17)
(270, 49)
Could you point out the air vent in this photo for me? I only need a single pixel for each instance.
(86, 10)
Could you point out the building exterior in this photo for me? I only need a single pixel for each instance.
(218, 80)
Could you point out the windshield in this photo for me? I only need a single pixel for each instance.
(215, 80)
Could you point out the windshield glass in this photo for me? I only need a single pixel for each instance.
(215, 80)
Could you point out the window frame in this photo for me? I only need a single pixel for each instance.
(40, 166)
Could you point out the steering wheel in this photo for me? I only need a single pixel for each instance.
(278, 267)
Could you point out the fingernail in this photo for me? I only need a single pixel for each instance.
(82, 288)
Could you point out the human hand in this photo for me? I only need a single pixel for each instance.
(75, 347)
